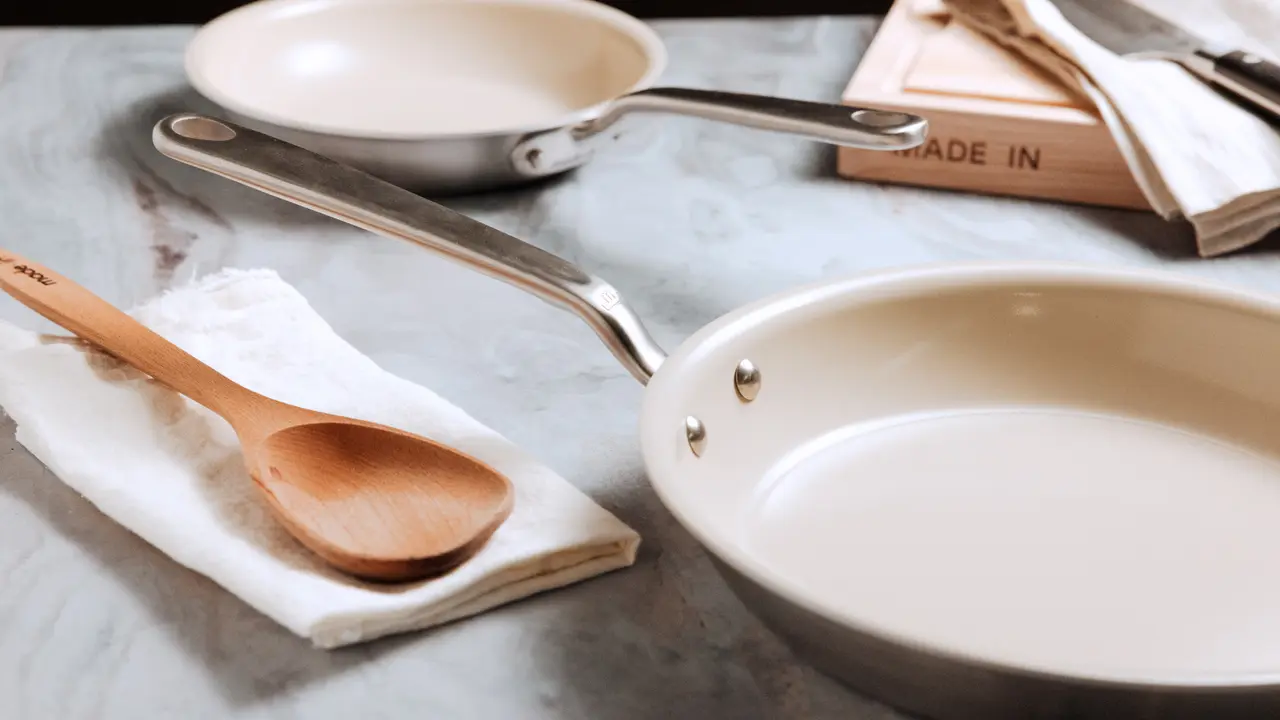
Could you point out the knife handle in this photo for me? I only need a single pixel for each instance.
(1247, 75)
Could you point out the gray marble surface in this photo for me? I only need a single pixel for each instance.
(689, 220)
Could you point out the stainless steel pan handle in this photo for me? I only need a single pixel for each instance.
(554, 151)
(839, 124)
(305, 178)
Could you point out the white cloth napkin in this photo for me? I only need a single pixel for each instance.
(1194, 154)
(171, 471)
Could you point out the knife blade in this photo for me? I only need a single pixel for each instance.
(1128, 30)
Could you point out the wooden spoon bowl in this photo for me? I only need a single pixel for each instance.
(372, 501)
(318, 478)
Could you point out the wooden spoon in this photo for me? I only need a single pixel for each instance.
(373, 501)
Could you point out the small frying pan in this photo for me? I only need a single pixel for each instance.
(971, 491)
(454, 96)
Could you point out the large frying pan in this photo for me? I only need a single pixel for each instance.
(992, 491)
(457, 96)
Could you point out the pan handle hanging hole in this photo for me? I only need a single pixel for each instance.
(880, 118)
(534, 158)
(746, 380)
(201, 128)
(696, 433)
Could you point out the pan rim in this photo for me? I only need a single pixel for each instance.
(914, 279)
(645, 38)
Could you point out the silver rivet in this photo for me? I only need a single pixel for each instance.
(696, 434)
(1251, 59)
(746, 380)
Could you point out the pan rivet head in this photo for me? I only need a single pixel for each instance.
(1251, 59)
(696, 434)
(746, 380)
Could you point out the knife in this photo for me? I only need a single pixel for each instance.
(1126, 29)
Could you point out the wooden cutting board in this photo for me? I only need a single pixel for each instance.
(998, 125)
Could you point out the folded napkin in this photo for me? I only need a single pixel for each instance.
(171, 471)
(1194, 154)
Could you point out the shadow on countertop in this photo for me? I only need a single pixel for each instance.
(1173, 240)
(667, 638)
(125, 142)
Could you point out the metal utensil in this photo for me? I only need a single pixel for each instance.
(971, 491)
(1126, 29)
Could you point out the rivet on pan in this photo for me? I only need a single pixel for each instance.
(696, 434)
(746, 380)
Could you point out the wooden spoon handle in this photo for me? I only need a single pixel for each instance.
(95, 320)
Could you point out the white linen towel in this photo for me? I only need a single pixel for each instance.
(1194, 154)
(172, 472)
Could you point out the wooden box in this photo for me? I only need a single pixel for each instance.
(998, 125)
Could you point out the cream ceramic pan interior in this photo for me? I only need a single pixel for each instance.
(407, 69)
(1059, 470)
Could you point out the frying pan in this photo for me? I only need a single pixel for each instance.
(455, 96)
(970, 490)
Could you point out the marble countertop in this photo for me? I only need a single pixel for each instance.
(688, 221)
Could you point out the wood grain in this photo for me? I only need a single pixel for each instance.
(957, 61)
(373, 501)
(997, 125)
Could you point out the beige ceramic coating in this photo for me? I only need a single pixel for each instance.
(396, 69)
(1067, 470)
